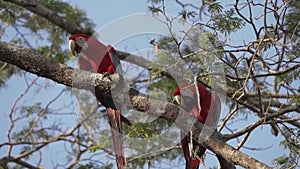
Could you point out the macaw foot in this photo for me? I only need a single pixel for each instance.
(191, 154)
(194, 153)
(106, 74)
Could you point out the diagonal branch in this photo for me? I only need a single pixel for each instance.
(31, 62)
(5, 160)
(70, 27)
(35, 7)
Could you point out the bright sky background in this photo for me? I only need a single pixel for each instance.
(103, 13)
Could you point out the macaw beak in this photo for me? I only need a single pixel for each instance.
(177, 98)
(72, 46)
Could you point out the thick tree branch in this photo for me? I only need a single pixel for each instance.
(31, 62)
(84, 80)
(134, 59)
(35, 7)
(5, 160)
(60, 73)
(70, 27)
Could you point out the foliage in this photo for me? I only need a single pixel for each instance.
(6, 71)
(226, 22)
(292, 144)
(38, 33)
(291, 22)
(92, 165)
(261, 71)
(276, 42)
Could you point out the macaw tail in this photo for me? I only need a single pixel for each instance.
(115, 123)
(192, 164)
(200, 150)
(125, 120)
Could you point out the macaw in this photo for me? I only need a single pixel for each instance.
(96, 57)
(205, 108)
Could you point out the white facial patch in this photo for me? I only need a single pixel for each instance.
(186, 92)
(81, 42)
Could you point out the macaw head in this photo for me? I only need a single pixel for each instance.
(185, 96)
(185, 91)
(77, 42)
(177, 96)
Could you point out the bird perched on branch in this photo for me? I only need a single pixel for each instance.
(98, 58)
(198, 102)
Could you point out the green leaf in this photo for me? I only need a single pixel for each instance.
(227, 22)
(215, 8)
(295, 99)
(94, 148)
(154, 10)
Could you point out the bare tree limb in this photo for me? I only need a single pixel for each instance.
(35, 7)
(5, 160)
(31, 62)
(69, 26)
(276, 109)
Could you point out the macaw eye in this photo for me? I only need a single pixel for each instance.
(187, 92)
(80, 39)
(188, 102)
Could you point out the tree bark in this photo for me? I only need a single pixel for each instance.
(60, 73)
(37, 8)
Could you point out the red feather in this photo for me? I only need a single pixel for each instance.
(97, 59)
(209, 104)
(97, 55)
(116, 129)
(209, 114)
(190, 163)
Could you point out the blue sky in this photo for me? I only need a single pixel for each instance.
(103, 13)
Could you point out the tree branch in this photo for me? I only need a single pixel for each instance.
(31, 62)
(5, 160)
(70, 27)
(37, 8)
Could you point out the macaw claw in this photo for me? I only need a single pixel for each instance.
(107, 74)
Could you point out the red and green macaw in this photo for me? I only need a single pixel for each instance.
(203, 106)
(97, 57)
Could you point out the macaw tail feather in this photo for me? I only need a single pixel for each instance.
(115, 123)
(200, 150)
(125, 120)
(192, 164)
